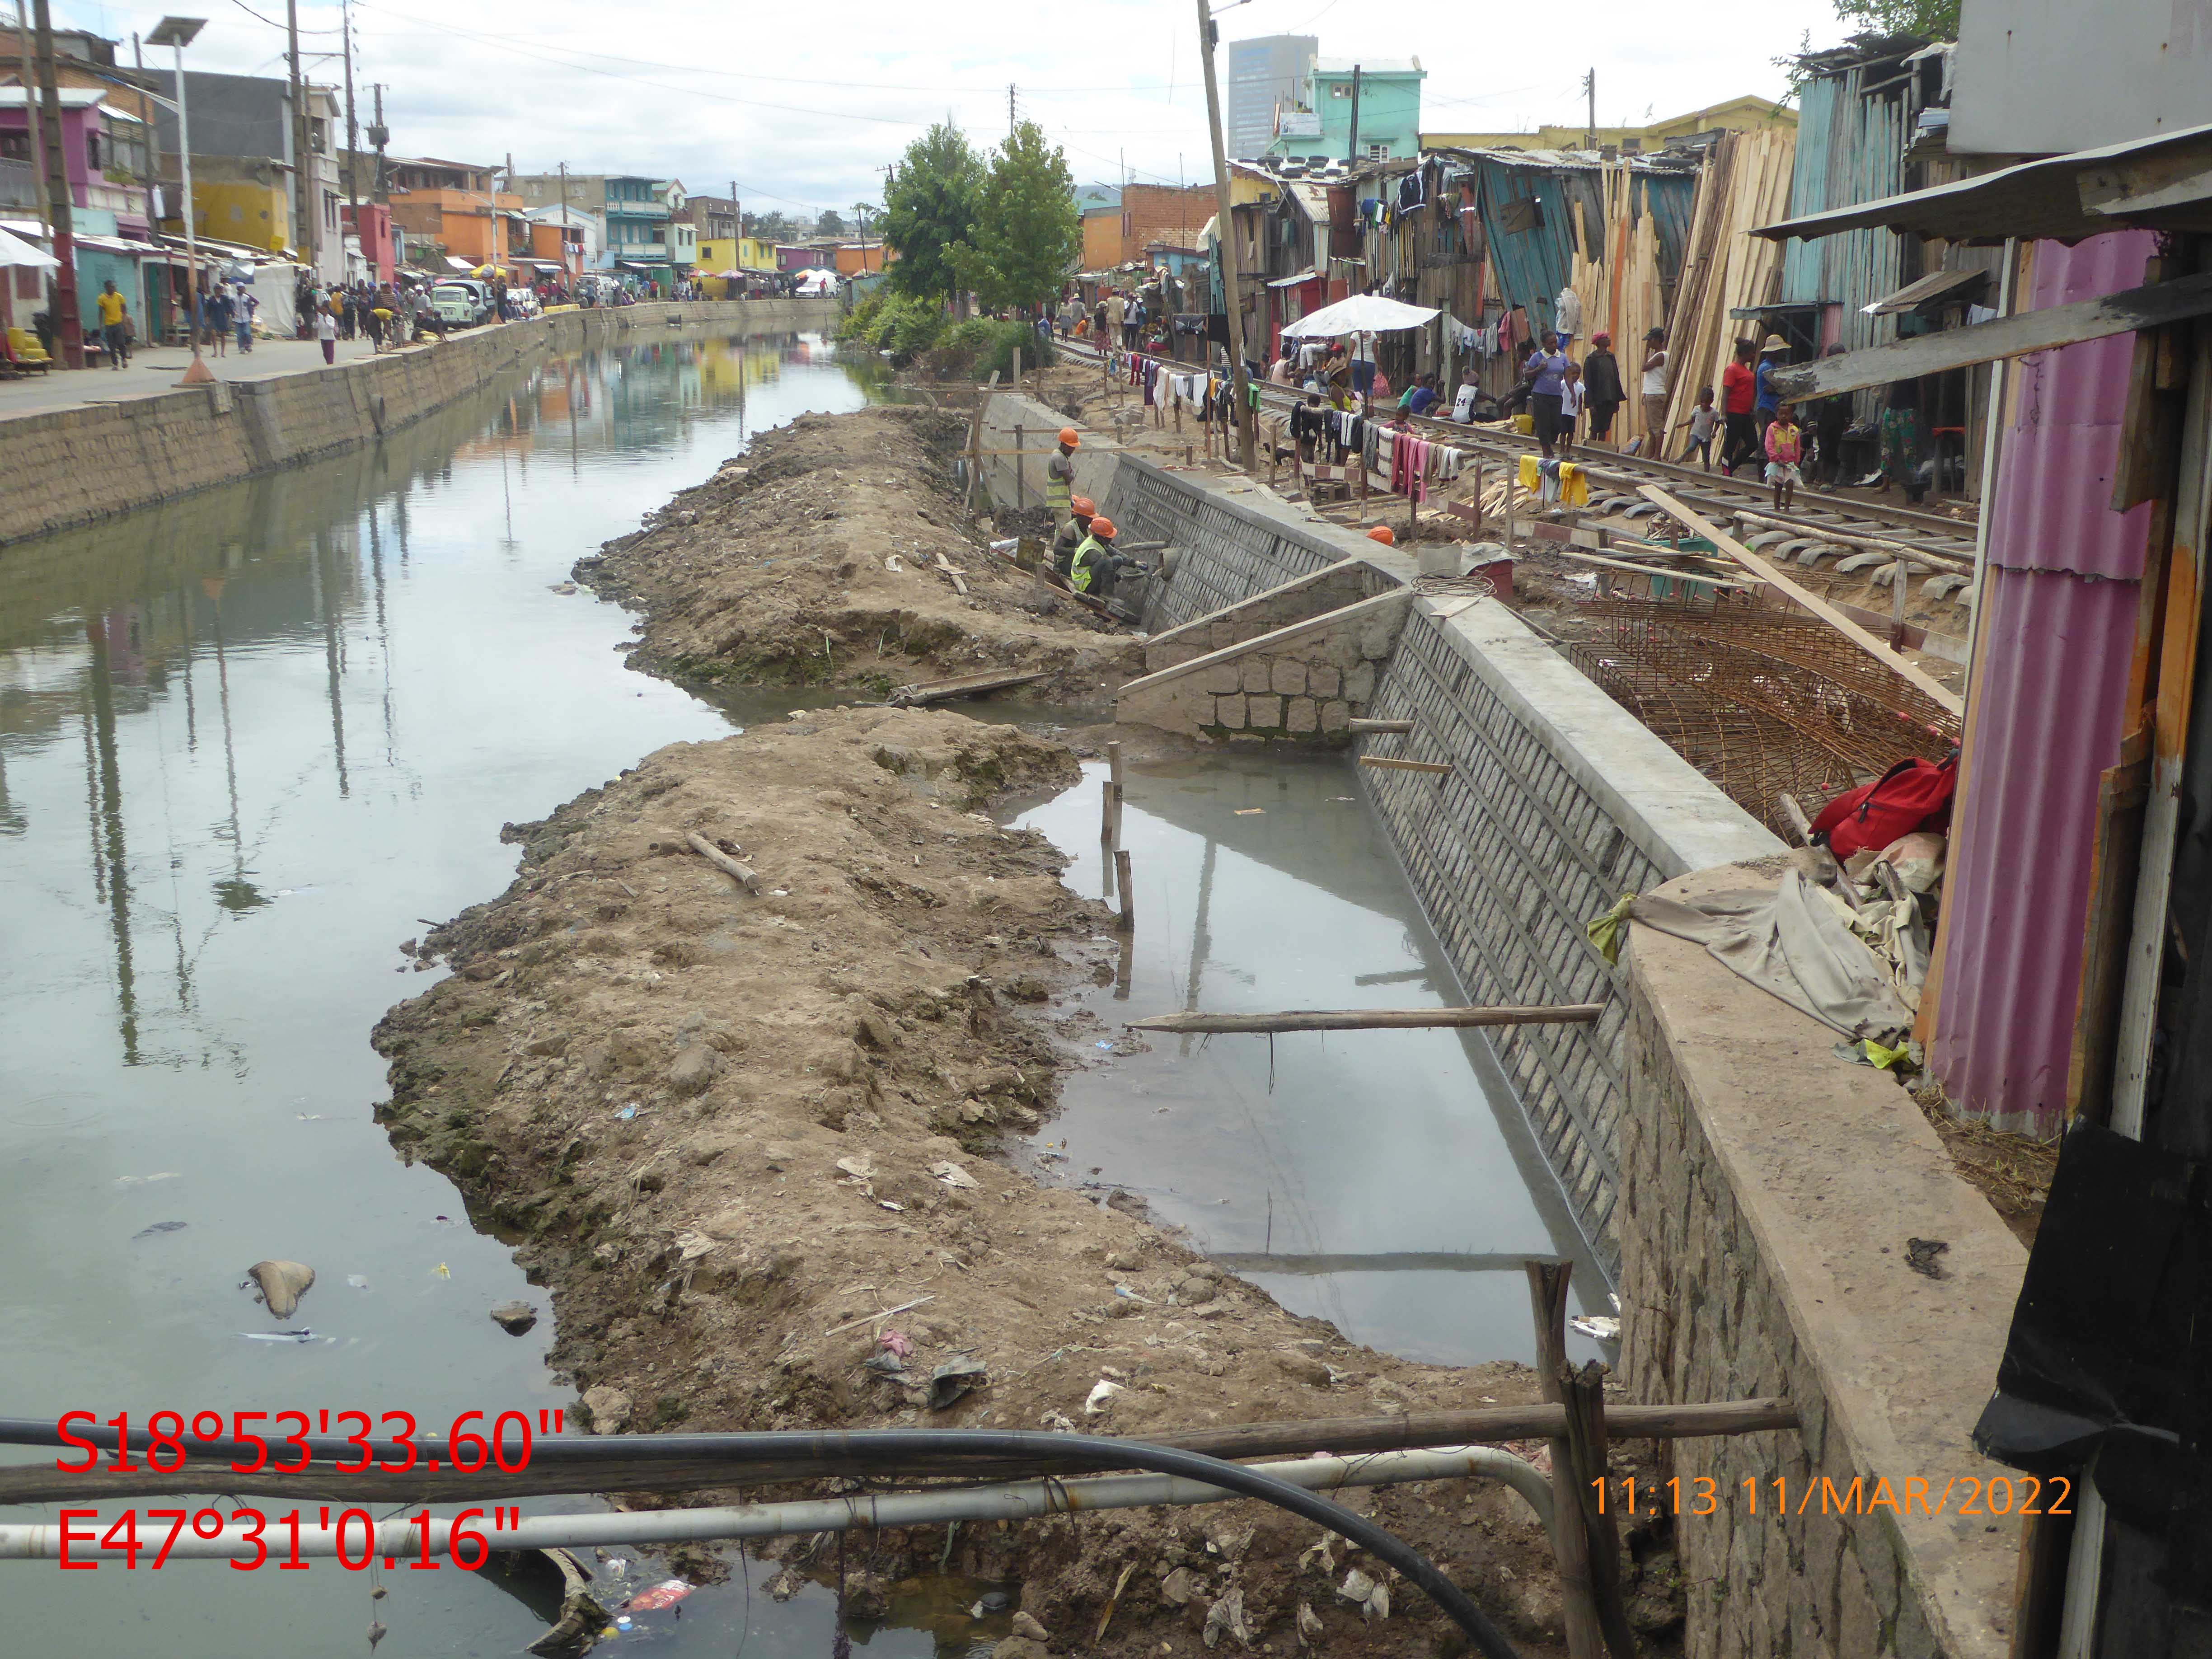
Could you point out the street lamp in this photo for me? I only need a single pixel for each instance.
(178, 32)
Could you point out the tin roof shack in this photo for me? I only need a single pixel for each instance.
(2076, 943)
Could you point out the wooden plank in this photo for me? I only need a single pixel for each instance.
(1944, 697)
(947, 568)
(968, 685)
(744, 875)
(1372, 1019)
(2015, 336)
(1356, 727)
(1384, 763)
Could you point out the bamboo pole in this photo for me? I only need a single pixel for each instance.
(1373, 1019)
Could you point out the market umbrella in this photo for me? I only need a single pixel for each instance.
(1361, 313)
(15, 251)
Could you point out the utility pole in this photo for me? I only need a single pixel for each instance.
(30, 115)
(1010, 109)
(1225, 225)
(153, 173)
(1590, 86)
(377, 136)
(353, 133)
(304, 208)
(66, 327)
(1354, 147)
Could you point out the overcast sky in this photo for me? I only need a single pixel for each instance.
(805, 113)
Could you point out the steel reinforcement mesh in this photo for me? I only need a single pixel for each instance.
(1763, 702)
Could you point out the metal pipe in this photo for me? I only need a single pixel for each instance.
(1020, 1501)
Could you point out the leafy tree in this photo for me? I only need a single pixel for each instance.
(863, 212)
(1027, 231)
(1937, 20)
(770, 227)
(929, 209)
(831, 223)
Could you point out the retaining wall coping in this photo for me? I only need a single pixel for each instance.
(1664, 805)
(1326, 573)
(1831, 1167)
(1380, 604)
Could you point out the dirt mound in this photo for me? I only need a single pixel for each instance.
(749, 1137)
(813, 560)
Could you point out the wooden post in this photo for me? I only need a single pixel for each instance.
(1017, 437)
(1571, 1541)
(1018, 375)
(1127, 924)
(1897, 604)
(1106, 816)
(1584, 1392)
(1115, 791)
(1508, 509)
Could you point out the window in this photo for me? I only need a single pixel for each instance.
(330, 209)
(1378, 152)
(318, 133)
(1342, 89)
(14, 146)
(92, 152)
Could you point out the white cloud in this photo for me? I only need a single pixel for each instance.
(804, 111)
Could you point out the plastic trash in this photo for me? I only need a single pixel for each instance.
(158, 1227)
(627, 1113)
(1599, 1328)
(665, 1594)
(953, 1176)
(443, 1271)
(954, 1379)
(898, 1342)
(1101, 1398)
(278, 1336)
(884, 1365)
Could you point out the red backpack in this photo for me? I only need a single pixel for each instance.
(1913, 794)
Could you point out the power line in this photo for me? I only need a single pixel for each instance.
(274, 24)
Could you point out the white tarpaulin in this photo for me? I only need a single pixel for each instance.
(277, 309)
(15, 251)
(1361, 313)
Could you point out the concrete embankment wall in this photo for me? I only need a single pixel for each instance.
(73, 465)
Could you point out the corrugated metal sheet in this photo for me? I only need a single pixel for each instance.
(1529, 267)
(2061, 596)
(1851, 149)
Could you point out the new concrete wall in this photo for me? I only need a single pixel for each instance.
(74, 465)
(1328, 589)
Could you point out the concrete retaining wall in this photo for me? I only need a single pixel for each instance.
(1302, 684)
(1328, 589)
(71, 466)
(1768, 1190)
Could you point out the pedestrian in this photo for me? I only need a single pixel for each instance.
(1784, 449)
(1567, 316)
(1703, 421)
(1831, 418)
(1081, 509)
(1060, 476)
(1653, 390)
(1571, 397)
(218, 310)
(1309, 426)
(1901, 439)
(1423, 397)
(1547, 371)
(1766, 402)
(242, 316)
(1117, 309)
(1363, 366)
(114, 309)
(1463, 405)
(1739, 391)
(326, 331)
(1601, 387)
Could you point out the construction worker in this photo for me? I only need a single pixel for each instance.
(1081, 511)
(1093, 569)
(1059, 477)
(1384, 534)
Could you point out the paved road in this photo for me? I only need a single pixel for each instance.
(153, 370)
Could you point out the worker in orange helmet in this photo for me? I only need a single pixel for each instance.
(1081, 509)
(1059, 476)
(1093, 571)
(1384, 534)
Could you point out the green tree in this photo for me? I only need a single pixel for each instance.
(1027, 231)
(770, 227)
(1937, 20)
(929, 209)
(829, 223)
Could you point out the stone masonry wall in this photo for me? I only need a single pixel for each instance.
(1309, 596)
(1302, 684)
(75, 465)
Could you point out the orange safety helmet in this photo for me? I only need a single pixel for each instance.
(1103, 528)
(1082, 506)
(1068, 437)
(1384, 534)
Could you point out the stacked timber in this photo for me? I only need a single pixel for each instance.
(1618, 282)
(1744, 184)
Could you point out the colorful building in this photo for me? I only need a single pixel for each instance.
(456, 207)
(1735, 115)
(371, 228)
(1386, 115)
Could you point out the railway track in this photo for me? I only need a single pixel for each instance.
(1819, 527)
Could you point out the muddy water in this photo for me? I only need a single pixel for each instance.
(1385, 1181)
(247, 741)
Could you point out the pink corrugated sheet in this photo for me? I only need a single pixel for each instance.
(2061, 596)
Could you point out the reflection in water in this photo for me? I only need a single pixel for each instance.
(1386, 1180)
(247, 742)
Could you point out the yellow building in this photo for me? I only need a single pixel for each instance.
(1736, 115)
(717, 254)
(234, 199)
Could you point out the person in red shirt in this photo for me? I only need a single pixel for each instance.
(1739, 391)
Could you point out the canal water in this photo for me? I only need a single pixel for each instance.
(252, 741)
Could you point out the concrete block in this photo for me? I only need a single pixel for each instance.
(1377, 634)
(1224, 677)
(1335, 716)
(1858, 1625)
(1359, 684)
(1267, 712)
(1222, 633)
(1229, 712)
(1288, 676)
(1257, 677)
(1324, 679)
(1201, 711)
(1303, 716)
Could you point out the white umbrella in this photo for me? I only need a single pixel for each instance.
(1361, 313)
(15, 251)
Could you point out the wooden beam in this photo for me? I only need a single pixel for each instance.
(1570, 1535)
(968, 685)
(1373, 1019)
(2016, 336)
(2146, 185)
(1385, 763)
(1944, 697)
(1356, 727)
(742, 874)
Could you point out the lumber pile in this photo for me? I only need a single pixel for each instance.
(1744, 182)
(1618, 283)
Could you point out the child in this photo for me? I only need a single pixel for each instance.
(1704, 421)
(1463, 405)
(1784, 447)
(1571, 407)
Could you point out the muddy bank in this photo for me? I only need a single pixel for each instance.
(733, 1128)
(813, 559)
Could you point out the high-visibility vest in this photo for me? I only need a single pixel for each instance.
(1092, 550)
(1058, 485)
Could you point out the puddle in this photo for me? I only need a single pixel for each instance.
(1385, 1181)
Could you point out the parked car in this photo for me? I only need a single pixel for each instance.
(462, 302)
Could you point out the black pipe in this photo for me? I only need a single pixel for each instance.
(889, 1446)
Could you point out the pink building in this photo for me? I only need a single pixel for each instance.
(103, 150)
(379, 243)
